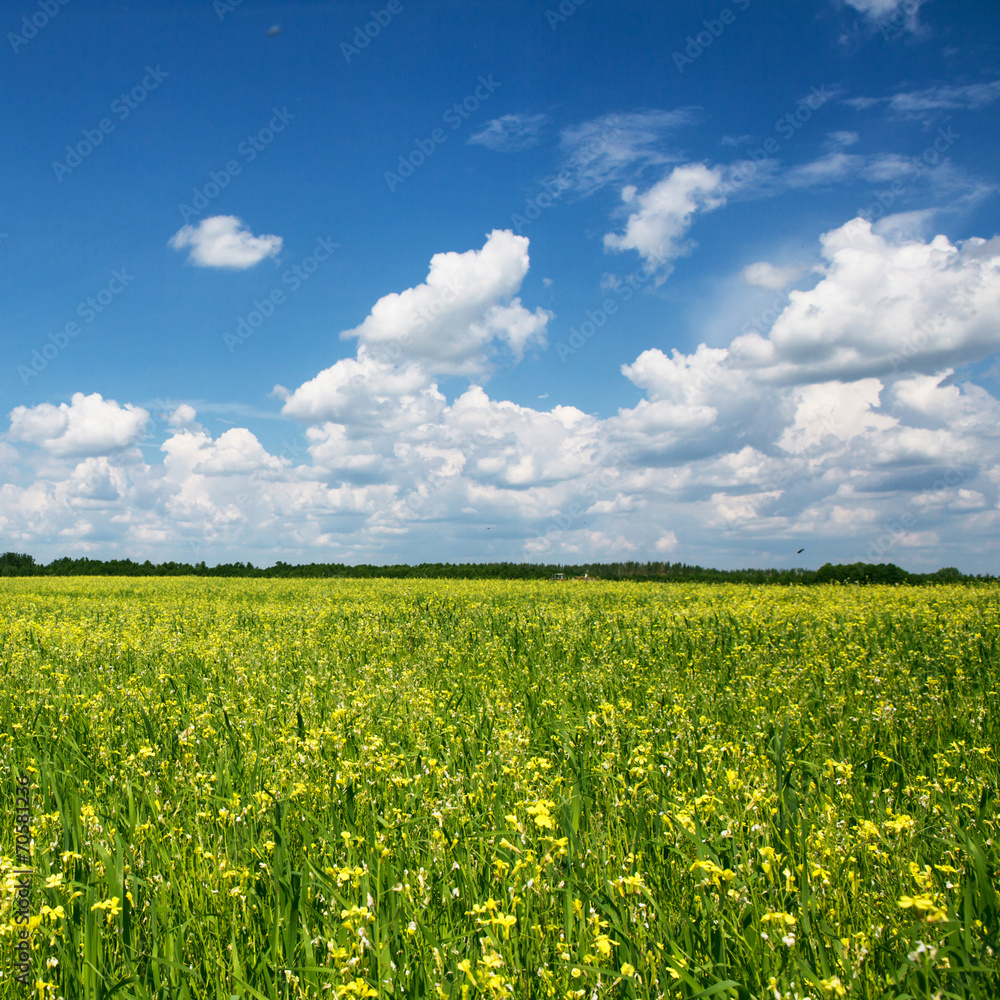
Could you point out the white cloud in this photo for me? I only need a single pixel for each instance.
(225, 241)
(667, 542)
(664, 213)
(931, 174)
(877, 8)
(449, 324)
(883, 306)
(615, 147)
(837, 409)
(236, 451)
(901, 12)
(510, 133)
(183, 416)
(826, 169)
(87, 426)
(9, 455)
(972, 97)
(840, 140)
(732, 455)
(765, 275)
(945, 97)
(362, 391)
(906, 225)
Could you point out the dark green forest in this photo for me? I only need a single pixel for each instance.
(19, 564)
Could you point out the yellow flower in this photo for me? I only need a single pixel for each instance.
(542, 815)
(628, 970)
(111, 905)
(603, 944)
(713, 873)
(926, 906)
(358, 988)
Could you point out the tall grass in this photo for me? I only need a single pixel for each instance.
(290, 789)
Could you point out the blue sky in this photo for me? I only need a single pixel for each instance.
(450, 281)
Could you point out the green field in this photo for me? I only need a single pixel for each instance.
(431, 789)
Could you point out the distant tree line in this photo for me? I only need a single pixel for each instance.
(18, 564)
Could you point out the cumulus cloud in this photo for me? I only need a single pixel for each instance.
(450, 324)
(364, 391)
(510, 133)
(663, 214)
(183, 416)
(834, 409)
(883, 306)
(843, 422)
(224, 241)
(467, 301)
(87, 426)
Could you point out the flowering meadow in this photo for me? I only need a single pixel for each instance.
(302, 789)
